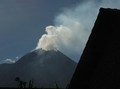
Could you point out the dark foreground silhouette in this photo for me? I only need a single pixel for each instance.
(46, 68)
(99, 66)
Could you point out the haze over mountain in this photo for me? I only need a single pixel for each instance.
(46, 67)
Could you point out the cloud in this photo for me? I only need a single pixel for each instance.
(73, 27)
(9, 61)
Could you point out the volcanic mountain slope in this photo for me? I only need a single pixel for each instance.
(46, 67)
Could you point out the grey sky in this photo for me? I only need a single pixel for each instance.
(22, 22)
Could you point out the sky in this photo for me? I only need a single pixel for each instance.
(23, 23)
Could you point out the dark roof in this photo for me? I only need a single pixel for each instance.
(99, 65)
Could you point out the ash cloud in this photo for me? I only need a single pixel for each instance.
(72, 28)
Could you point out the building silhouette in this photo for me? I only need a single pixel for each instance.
(99, 65)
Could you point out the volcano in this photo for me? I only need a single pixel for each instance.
(46, 68)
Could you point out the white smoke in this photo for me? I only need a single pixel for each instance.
(72, 28)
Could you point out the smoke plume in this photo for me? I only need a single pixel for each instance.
(72, 28)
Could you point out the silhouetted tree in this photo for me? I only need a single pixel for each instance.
(17, 79)
(31, 82)
(22, 84)
(57, 87)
